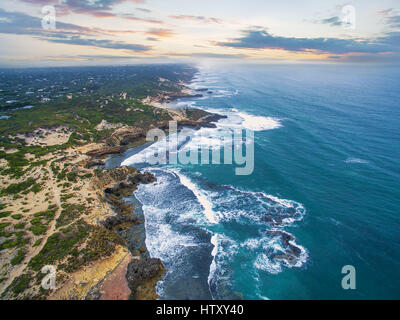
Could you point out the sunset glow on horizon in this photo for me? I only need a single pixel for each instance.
(135, 31)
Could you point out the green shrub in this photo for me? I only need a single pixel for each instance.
(37, 242)
(38, 229)
(18, 258)
(4, 214)
(36, 188)
(18, 242)
(16, 188)
(59, 245)
(71, 176)
(20, 284)
(4, 225)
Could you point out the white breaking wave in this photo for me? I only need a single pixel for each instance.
(237, 119)
(355, 160)
(268, 252)
(161, 240)
(211, 138)
(169, 143)
(200, 195)
(236, 204)
(273, 246)
(259, 123)
(213, 265)
(264, 263)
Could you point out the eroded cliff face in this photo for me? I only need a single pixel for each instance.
(111, 277)
(126, 135)
(77, 220)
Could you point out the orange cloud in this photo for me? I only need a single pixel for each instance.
(163, 33)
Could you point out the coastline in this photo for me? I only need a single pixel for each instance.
(141, 272)
(110, 259)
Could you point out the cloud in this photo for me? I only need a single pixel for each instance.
(385, 13)
(261, 39)
(84, 6)
(77, 40)
(334, 21)
(209, 55)
(390, 18)
(368, 58)
(144, 10)
(196, 18)
(96, 8)
(93, 57)
(102, 5)
(134, 18)
(23, 24)
(163, 33)
(393, 21)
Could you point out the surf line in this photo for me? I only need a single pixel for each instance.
(237, 148)
(201, 197)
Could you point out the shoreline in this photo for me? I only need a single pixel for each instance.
(142, 273)
(158, 270)
(107, 257)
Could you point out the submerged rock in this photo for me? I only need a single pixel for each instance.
(291, 253)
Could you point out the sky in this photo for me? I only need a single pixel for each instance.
(139, 31)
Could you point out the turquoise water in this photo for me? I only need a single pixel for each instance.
(325, 189)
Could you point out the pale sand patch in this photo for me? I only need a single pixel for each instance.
(3, 163)
(154, 102)
(104, 125)
(187, 91)
(176, 114)
(44, 136)
(9, 151)
(29, 156)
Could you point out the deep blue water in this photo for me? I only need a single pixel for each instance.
(325, 190)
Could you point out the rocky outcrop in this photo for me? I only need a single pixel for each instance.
(142, 275)
(126, 135)
(104, 151)
(213, 117)
(93, 163)
(105, 178)
(122, 218)
(166, 97)
(202, 118)
(291, 252)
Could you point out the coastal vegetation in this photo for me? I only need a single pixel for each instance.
(58, 205)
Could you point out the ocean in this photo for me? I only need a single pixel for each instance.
(324, 193)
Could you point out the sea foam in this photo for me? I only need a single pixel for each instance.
(200, 195)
